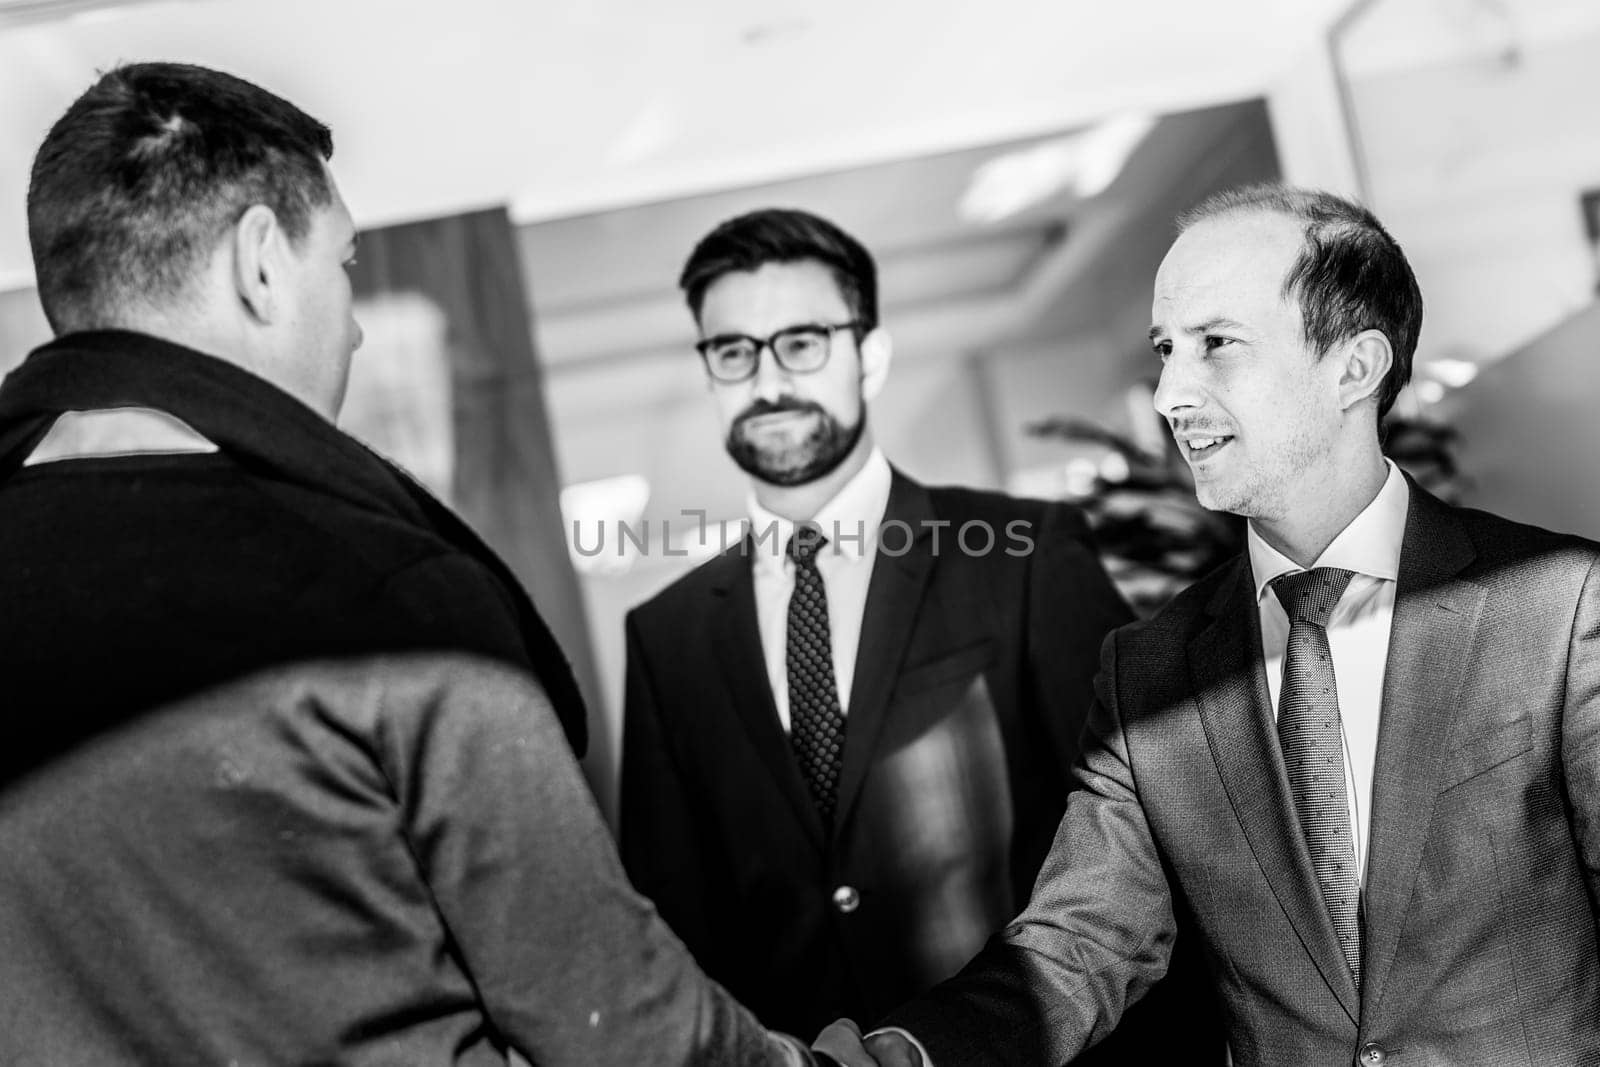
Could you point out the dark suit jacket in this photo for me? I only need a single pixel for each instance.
(972, 679)
(1484, 864)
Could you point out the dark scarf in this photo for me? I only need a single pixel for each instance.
(263, 429)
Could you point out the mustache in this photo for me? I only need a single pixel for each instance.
(758, 408)
(1193, 426)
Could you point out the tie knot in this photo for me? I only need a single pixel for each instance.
(804, 544)
(1309, 596)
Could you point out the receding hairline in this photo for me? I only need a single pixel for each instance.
(1245, 213)
(1298, 236)
(1294, 205)
(1298, 242)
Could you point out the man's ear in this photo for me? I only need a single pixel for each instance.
(1365, 362)
(877, 350)
(258, 243)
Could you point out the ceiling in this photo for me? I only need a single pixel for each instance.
(565, 107)
(602, 285)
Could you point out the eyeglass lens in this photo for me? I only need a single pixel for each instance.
(798, 348)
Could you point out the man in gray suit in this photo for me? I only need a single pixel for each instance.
(1364, 756)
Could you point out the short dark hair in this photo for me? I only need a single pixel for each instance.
(784, 235)
(140, 178)
(1350, 275)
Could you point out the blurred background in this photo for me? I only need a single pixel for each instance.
(529, 178)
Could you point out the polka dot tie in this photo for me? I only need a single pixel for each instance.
(1311, 737)
(816, 723)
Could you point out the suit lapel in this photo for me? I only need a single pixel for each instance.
(744, 672)
(1435, 622)
(893, 596)
(1225, 666)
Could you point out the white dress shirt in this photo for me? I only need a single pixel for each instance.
(850, 522)
(1358, 633)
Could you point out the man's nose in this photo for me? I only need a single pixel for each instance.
(771, 381)
(1177, 389)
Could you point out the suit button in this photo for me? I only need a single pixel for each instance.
(1371, 1055)
(846, 899)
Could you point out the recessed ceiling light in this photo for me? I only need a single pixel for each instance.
(1087, 162)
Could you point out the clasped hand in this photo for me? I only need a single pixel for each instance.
(843, 1041)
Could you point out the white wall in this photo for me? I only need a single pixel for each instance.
(1530, 438)
(22, 326)
(1476, 165)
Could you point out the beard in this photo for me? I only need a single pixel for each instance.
(799, 461)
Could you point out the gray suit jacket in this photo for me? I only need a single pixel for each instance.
(358, 862)
(1484, 864)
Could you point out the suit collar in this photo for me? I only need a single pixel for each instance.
(1436, 617)
(850, 520)
(1369, 545)
(903, 564)
(246, 415)
(737, 640)
(900, 572)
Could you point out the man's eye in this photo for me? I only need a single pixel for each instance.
(801, 342)
(733, 352)
(1213, 342)
(1162, 349)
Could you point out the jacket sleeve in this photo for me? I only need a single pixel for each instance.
(1095, 936)
(660, 833)
(571, 964)
(1580, 740)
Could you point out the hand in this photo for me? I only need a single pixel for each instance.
(843, 1041)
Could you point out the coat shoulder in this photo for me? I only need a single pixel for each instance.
(1499, 540)
(1182, 616)
(688, 596)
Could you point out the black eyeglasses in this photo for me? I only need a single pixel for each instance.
(734, 357)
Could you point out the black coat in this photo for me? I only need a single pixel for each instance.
(133, 581)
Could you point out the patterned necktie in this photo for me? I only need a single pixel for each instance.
(816, 723)
(1312, 740)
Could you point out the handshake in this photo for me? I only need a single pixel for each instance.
(843, 1045)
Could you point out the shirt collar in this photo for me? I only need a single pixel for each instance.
(1370, 545)
(855, 512)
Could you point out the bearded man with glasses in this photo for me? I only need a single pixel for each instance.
(848, 738)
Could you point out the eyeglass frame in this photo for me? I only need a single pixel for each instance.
(703, 346)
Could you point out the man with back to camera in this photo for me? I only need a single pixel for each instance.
(169, 465)
(847, 738)
(285, 775)
(1365, 754)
